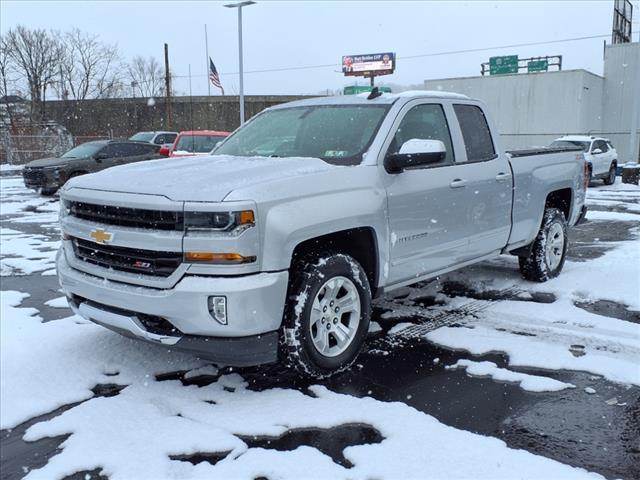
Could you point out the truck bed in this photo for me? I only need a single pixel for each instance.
(536, 173)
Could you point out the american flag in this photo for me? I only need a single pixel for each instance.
(213, 76)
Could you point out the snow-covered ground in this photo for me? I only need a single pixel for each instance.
(156, 419)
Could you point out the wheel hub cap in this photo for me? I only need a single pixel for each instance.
(555, 246)
(341, 296)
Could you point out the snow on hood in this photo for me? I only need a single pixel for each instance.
(197, 178)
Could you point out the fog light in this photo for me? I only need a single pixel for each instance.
(218, 309)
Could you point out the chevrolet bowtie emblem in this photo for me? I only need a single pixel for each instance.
(100, 236)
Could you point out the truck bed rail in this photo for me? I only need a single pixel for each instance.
(541, 151)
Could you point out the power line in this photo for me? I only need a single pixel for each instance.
(423, 55)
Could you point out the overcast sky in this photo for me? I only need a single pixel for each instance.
(282, 34)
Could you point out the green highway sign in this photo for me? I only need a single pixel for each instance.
(503, 65)
(538, 66)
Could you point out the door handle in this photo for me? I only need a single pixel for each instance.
(501, 177)
(458, 183)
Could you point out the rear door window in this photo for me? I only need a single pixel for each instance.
(475, 133)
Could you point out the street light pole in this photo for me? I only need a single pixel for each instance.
(239, 6)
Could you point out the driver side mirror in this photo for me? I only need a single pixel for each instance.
(596, 151)
(415, 153)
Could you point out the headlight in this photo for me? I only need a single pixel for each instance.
(235, 222)
(64, 208)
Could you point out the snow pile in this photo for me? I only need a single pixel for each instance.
(47, 365)
(531, 383)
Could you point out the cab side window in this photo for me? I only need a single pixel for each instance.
(475, 133)
(160, 139)
(424, 122)
(601, 145)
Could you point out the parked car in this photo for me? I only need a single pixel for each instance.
(599, 153)
(196, 142)
(48, 174)
(164, 139)
(246, 260)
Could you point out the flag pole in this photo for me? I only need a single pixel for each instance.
(206, 48)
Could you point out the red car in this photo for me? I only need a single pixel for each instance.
(196, 142)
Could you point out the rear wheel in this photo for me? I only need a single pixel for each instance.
(327, 314)
(549, 248)
(611, 177)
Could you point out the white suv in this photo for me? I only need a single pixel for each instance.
(598, 152)
(164, 139)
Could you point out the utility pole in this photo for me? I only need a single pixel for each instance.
(631, 170)
(206, 48)
(167, 87)
(239, 6)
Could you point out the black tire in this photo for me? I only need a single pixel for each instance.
(48, 192)
(308, 277)
(611, 177)
(538, 267)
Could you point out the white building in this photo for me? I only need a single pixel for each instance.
(533, 109)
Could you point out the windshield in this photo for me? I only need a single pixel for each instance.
(338, 134)
(84, 150)
(142, 137)
(571, 143)
(198, 143)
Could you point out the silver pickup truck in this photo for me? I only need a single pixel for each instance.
(274, 247)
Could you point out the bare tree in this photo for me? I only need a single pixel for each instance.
(146, 76)
(5, 68)
(36, 54)
(88, 68)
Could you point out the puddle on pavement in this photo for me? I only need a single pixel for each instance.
(16, 455)
(594, 238)
(330, 441)
(610, 309)
(458, 289)
(95, 474)
(198, 380)
(581, 429)
(40, 291)
(196, 458)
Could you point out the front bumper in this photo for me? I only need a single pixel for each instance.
(39, 178)
(179, 317)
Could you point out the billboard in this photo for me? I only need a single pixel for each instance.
(373, 64)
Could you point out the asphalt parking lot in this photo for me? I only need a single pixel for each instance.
(594, 425)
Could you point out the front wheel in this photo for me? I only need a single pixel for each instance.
(611, 177)
(549, 248)
(327, 314)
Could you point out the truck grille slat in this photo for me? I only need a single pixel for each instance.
(127, 217)
(148, 262)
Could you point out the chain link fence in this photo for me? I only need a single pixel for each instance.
(40, 141)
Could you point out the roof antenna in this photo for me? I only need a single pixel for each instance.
(375, 93)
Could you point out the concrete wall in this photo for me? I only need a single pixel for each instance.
(121, 117)
(621, 88)
(533, 109)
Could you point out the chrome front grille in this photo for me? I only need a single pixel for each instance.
(127, 217)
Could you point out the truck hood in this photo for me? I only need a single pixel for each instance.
(197, 179)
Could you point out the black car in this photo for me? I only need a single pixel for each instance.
(48, 174)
